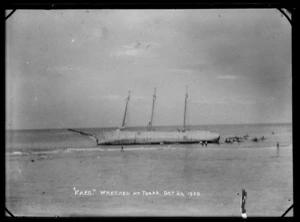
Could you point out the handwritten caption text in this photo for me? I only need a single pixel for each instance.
(93, 192)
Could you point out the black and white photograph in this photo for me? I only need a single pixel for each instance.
(148, 112)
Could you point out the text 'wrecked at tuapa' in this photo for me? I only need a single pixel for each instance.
(93, 192)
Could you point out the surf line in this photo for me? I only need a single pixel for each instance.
(93, 137)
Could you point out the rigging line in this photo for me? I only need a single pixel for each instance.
(10, 14)
(152, 111)
(287, 210)
(125, 113)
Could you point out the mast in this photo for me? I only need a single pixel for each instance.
(153, 103)
(124, 118)
(184, 117)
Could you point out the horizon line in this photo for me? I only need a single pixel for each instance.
(129, 127)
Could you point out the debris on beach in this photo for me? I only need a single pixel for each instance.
(239, 139)
(233, 139)
(255, 139)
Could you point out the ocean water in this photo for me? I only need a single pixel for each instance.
(23, 140)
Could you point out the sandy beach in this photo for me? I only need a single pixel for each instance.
(173, 180)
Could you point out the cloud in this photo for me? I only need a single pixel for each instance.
(210, 102)
(136, 49)
(243, 101)
(228, 77)
(138, 98)
(228, 100)
(59, 69)
(183, 71)
(112, 97)
(67, 69)
(115, 97)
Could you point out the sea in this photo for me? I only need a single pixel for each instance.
(62, 173)
(54, 139)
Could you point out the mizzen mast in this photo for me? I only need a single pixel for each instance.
(152, 111)
(185, 102)
(125, 113)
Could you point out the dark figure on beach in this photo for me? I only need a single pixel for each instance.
(122, 148)
(243, 203)
(205, 143)
(202, 143)
(277, 150)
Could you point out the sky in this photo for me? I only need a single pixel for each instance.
(74, 68)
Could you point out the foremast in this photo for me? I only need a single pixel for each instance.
(152, 111)
(125, 112)
(185, 103)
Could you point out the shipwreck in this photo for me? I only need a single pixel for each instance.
(123, 136)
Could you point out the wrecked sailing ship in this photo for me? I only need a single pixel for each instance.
(123, 136)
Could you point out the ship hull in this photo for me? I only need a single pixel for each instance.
(153, 137)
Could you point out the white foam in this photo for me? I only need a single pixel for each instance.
(91, 149)
(140, 148)
(84, 149)
(46, 152)
(17, 153)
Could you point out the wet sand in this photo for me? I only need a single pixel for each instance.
(42, 184)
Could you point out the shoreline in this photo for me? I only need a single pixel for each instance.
(43, 184)
(94, 149)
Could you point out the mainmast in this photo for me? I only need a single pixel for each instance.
(124, 118)
(153, 103)
(184, 117)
